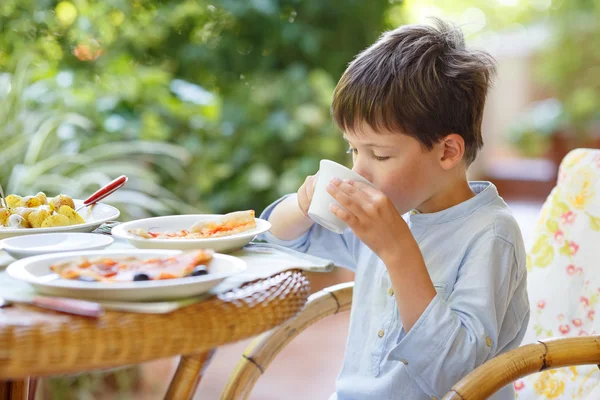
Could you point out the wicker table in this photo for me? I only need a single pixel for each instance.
(35, 342)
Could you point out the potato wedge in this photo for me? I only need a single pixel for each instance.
(74, 218)
(4, 214)
(37, 217)
(14, 201)
(55, 220)
(42, 197)
(32, 201)
(61, 200)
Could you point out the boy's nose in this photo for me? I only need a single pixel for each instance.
(362, 172)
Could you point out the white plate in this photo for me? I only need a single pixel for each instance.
(57, 242)
(94, 216)
(36, 271)
(179, 222)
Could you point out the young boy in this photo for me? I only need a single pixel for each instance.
(443, 289)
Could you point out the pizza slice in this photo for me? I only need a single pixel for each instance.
(108, 269)
(228, 224)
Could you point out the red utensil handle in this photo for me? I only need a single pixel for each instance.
(106, 190)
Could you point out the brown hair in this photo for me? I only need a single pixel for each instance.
(420, 80)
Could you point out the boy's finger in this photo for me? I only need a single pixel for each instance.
(351, 191)
(301, 205)
(304, 199)
(310, 189)
(363, 187)
(342, 214)
(345, 200)
(305, 195)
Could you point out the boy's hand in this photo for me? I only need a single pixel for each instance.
(305, 193)
(370, 214)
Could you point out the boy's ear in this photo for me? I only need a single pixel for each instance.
(452, 151)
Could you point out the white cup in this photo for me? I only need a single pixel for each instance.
(319, 206)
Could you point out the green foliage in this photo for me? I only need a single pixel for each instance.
(41, 150)
(571, 64)
(482, 16)
(532, 131)
(568, 68)
(119, 383)
(244, 86)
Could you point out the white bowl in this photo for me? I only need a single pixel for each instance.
(94, 216)
(179, 222)
(57, 242)
(36, 271)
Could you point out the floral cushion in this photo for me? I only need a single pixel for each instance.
(563, 261)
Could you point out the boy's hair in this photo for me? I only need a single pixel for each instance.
(420, 80)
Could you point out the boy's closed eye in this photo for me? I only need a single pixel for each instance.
(354, 151)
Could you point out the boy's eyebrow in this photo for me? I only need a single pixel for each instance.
(370, 144)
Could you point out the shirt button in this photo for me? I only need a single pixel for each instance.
(404, 362)
(391, 291)
(381, 333)
(488, 341)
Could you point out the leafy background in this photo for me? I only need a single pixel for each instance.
(223, 105)
(214, 106)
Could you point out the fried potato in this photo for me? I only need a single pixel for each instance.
(4, 214)
(74, 217)
(42, 197)
(39, 212)
(14, 201)
(61, 200)
(56, 220)
(32, 201)
(37, 217)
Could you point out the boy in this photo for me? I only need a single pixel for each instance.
(442, 289)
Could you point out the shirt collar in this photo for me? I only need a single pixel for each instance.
(485, 192)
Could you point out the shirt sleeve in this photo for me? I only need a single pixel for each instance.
(454, 336)
(318, 241)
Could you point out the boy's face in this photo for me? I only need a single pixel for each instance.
(397, 165)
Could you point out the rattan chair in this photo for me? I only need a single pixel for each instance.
(259, 354)
(526, 360)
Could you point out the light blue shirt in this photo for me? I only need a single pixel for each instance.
(476, 259)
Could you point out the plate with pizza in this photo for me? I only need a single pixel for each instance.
(220, 232)
(126, 275)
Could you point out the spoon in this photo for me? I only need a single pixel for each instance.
(104, 192)
(2, 201)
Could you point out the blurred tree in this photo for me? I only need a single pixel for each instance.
(40, 149)
(244, 86)
(571, 63)
(475, 17)
(568, 67)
